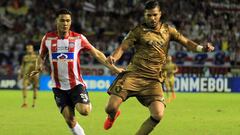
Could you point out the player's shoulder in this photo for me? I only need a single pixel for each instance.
(169, 25)
(25, 56)
(50, 35)
(76, 35)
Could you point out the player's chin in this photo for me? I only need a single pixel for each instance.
(152, 25)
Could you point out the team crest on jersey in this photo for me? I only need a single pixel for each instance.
(71, 44)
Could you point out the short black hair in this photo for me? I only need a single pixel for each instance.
(150, 4)
(63, 11)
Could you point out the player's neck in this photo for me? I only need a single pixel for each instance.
(62, 35)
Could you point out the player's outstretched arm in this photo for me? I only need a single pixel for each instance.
(102, 59)
(191, 45)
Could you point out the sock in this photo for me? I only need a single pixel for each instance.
(77, 130)
(147, 126)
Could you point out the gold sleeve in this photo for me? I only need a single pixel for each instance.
(130, 38)
(177, 36)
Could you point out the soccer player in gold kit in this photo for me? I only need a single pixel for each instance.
(27, 66)
(143, 77)
(169, 71)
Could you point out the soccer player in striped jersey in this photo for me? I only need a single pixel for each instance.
(64, 48)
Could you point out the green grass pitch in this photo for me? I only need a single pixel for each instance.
(189, 114)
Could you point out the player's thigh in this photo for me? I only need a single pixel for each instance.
(80, 99)
(156, 109)
(167, 84)
(171, 81)
(26, 83)
(62, 99)
(79, 94)
(35, 82)
(152, 92)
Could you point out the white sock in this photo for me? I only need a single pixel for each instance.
(77, 130)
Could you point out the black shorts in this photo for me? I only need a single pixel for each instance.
(63, 98)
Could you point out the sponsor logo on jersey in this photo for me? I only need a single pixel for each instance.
(71, 44)
(62, 56)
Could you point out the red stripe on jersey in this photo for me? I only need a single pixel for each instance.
(55, 74)
(54, 45)
(71, 76)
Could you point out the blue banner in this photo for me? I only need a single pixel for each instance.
(182, 84)
(207, 84)
(94, 83)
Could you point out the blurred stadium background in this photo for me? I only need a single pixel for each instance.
(106, 22)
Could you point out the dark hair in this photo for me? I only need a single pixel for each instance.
(150, 4)
(63, 11)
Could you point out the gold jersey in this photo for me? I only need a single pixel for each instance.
(28, 63)
(169, 69)
(151, 48)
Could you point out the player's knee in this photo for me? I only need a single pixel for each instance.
(84, 111)
(157, 116)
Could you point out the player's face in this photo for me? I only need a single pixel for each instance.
(64, 23)
(29, 49)
(152, 17)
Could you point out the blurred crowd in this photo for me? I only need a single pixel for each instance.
(106, 22)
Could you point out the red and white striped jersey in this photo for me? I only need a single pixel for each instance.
(64, 57)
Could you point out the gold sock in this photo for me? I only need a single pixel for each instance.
(147, 126)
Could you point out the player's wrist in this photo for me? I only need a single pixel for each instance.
(200, 48)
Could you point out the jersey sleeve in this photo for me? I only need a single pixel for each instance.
(177, 36)
(85, 43)
(130, 38)
(43, 49)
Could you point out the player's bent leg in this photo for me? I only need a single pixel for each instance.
(71, 121)
(112, 109)
(83, 109)
(69, 116)
(34, 96)
(156, 109)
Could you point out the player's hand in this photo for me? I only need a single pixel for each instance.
(208, 47)
(110, 59)
(119, 70)
(116, 70)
